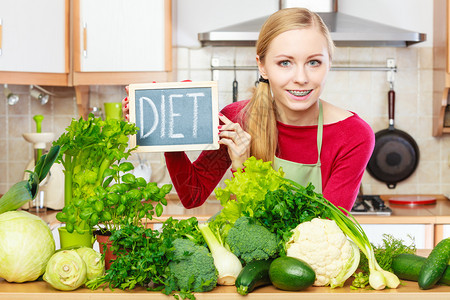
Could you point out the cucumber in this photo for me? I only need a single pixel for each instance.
(253, 275)
(407, 266)
(435, 265)
(291, 274)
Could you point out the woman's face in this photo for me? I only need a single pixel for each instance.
(296, 63)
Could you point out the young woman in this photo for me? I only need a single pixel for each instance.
(285, 121)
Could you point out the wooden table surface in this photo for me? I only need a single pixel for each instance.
(41, 290)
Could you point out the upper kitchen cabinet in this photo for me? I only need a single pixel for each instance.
(121, 41)
(34, 42)
(441, 68)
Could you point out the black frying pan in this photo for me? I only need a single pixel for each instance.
(396, 154)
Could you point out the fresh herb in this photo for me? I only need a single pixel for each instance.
(384, 253)
(129, 200)
(283, 209)
(144, 256)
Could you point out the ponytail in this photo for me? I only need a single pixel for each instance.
(260, 122)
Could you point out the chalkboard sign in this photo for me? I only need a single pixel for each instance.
(174, 116)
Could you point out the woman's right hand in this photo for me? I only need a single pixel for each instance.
(125, 108)
(237, 140)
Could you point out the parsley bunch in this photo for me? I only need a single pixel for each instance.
(144, 256)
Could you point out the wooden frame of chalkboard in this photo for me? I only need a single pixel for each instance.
(174, 116)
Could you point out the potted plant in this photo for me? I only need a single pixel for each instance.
(88, 148)
(122, 200)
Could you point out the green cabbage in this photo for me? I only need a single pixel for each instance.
(95, 264)
(26, 245)
(65, 270)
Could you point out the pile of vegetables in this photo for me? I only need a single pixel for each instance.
(280, 205)
(270, 231)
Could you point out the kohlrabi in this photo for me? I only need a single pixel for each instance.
(66, 270)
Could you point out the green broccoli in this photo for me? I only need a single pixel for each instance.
(250, 240)
(192, 267)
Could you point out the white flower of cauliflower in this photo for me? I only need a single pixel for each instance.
(323, 245)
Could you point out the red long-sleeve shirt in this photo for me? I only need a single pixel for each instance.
(346, 148)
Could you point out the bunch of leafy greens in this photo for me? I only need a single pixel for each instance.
(243, 192)
(283, 209)
(384, 253)
(88, 148)
(150, 258)
(261, 193)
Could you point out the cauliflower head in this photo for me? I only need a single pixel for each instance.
(323, 245)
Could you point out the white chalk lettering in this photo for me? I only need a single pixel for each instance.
(163, 117)
(155, 114)
(195, 118)
(172, 115)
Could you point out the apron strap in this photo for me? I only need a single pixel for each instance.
(319, 132)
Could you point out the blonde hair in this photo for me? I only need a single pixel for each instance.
(259, 115)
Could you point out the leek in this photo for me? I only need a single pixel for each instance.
(26, 190)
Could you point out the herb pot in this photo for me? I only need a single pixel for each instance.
(75, 239)
(105, 244)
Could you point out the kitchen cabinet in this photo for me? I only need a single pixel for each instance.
(441, 66)
(103, 42)
(119, 42)
(34, 42)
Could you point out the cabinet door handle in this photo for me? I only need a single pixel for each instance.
(1, 36)
(85, 39)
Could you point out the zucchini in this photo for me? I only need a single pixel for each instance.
(435, 265)
(253, 275)
(407, 266)
(291, 274)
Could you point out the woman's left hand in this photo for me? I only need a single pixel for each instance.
(237, 141)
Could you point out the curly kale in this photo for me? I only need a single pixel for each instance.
(192, 267)
(251, 241)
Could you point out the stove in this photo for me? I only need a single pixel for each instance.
(370, 205)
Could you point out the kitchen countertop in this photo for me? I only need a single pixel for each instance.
(409, 290)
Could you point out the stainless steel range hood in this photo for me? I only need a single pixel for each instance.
(346, 31)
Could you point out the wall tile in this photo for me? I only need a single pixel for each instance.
(200, 58)
(245, 56)
(18, 124)
(19, 150)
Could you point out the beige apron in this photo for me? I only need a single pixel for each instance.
(305, 173)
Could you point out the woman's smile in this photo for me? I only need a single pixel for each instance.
(299, 93)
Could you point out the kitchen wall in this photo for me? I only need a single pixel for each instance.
(363, 92)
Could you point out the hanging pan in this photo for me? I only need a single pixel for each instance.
(396, 154)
